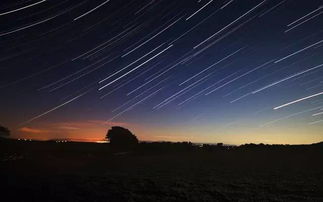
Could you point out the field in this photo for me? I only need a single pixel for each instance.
(48, 171)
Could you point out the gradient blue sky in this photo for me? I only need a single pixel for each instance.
(54, 56)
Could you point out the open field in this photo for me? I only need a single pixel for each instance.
(45, 171)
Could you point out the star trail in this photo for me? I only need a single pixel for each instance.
(158, 64)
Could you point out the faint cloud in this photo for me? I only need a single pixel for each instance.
(108, 123)
(83, 130)
(74, 125)
(68, 128)
(33, 130)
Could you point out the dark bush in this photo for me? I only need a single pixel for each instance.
(121, 137)
(4, 132)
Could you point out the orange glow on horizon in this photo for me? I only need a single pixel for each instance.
(95, 131)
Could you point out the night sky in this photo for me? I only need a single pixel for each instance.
(232, 71)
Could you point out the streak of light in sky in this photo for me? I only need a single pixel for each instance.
(298, 100)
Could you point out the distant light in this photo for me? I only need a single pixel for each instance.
(101, 141)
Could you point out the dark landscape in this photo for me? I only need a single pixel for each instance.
(51, 171)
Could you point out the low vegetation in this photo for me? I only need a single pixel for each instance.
(159, 171)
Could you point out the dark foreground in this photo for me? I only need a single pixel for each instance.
(40, 171)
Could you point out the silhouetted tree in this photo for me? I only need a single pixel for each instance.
(121, 137)
(4, 131)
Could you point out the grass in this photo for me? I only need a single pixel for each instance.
(91, 172)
